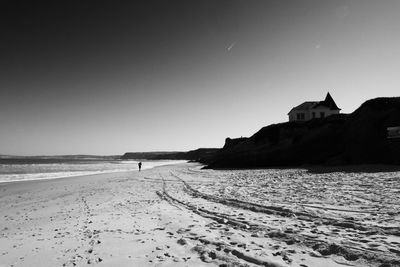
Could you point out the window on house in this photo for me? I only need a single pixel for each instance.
(313, 115)
(300, 116)
(322, 114)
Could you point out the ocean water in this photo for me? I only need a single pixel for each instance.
(50, 169)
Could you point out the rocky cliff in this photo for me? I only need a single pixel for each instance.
(201, 154)
(356, 138)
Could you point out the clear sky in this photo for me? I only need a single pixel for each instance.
(106, 77)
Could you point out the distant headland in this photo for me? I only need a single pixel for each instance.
(366, 136)
(193, 155)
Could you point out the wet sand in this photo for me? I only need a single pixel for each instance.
(182, 215)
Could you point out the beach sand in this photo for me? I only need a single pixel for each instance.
(181, 215)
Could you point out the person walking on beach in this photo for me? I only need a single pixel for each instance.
(140, 165)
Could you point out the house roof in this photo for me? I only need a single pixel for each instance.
(328, 102)
(305, 106)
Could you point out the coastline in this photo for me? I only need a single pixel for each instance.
(69, 174)
(91, 219)
(182, 215)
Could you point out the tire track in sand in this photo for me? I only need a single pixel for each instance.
(350, 253)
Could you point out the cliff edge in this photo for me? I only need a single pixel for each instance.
(357, 138)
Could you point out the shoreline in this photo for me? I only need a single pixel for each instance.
(63, 177)
(362, 168)
(182, 215)
(88, 174)
(78, 220)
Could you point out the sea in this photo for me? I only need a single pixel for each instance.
(23, 169)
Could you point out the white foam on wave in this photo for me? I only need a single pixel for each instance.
(26, 172)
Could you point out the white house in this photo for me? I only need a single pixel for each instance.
(314, 109)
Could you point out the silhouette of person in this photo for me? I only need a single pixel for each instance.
(140, 165)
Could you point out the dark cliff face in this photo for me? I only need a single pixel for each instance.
(229, 142)
(200, 154)
(360, 137)
(366, 132)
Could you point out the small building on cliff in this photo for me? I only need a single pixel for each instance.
(314, 109)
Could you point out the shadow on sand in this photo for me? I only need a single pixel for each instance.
(365, 168)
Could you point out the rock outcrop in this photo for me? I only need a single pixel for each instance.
(356, 138)
(201, 154)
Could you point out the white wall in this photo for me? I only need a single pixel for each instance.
(308, 114)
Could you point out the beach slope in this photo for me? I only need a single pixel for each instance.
(181, 215)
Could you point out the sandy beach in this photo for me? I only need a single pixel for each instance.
(181, 215)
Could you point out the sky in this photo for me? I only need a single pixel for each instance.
(107, 77)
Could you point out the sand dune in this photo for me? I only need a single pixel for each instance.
(182, 215)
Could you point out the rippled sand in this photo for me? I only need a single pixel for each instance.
(182, 215)
(338, 217)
